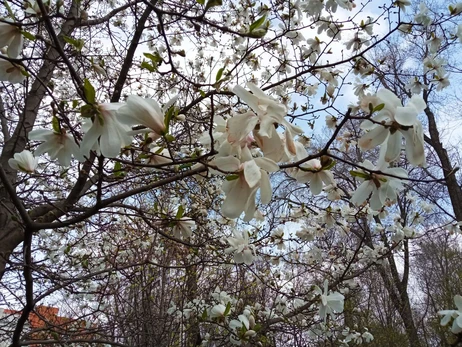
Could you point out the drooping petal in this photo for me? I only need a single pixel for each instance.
(415, 151)
(252, 173)
(373, 138)
(393, 147)
(90, 138)
(362, 193)
(266, 191)
(316, 184)
(15, 47)
(237, 194)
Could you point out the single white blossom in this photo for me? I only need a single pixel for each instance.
(11, 36)
(379, 187)
(106, 128)
(183, 228)
(59, 146)
(239, 245)
(330, 302)
(23, 161)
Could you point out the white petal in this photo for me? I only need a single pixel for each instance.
(15, 47)
(227, 163)
(406, 116)
(237, 195)
(458, 302)
(418, 103)
(248, 258)
(362, 193)
(40, 134)
(90, 138)
(246, 97)
(266, 190)
(316, 184)
(267, 164)
(393, 147)
(373, 138)
(252, 173)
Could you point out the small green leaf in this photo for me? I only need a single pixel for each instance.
(359, 174)
(77, 43)
(118, 170)
(155, 58)
(87, 111)
(202, 93)
(89, 91)
(169, 138)
(28, 35)
(24, 73)
(379, 107)
(213, 3)
(257, 23)
(232, 177)
(10, 11)
(75, 103)
(204, 315)
(219, 74)
(147, 66)
(185, 166)
(371, 108)
(228, 309)
(180, 212)
(329, 166)
(55, 125)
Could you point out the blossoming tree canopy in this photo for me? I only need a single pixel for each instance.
(149, 146)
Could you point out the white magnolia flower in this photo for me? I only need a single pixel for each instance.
(241, 190)
(357, 42)
(379, 187)
(106, 127)
(313, 51)
(23, 161)
(330, 302)
(11, 72)
(268, 112)
(422, 16)
(239, 245)
(391, 124)
(453, 314)
(59, 146)
(183, 228)
(402, 4)
(415, 86)
(459, 32)
(312, 171)
(11, 36)
(147, 112)
(218, 311)
(442, 82)
(434, 44)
